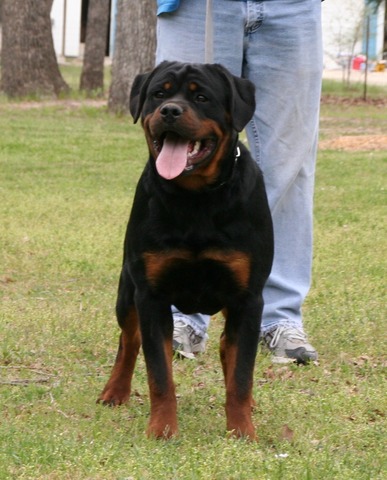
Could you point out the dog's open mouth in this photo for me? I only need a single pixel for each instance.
(177, 155)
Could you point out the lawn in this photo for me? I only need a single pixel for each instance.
(68, 175)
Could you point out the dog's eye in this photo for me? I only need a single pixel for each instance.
(159, 94)
(201, 98)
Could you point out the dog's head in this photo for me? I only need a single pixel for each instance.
(190, 114)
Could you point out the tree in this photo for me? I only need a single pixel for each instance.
(95, 45)
(28, 60)
(134, 49)
(347, 35)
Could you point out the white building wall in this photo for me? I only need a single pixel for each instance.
(72, 28)
(380, 31)
(66, 27)
(57, 22)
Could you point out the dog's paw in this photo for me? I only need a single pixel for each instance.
(162, 430)
(113, 397)
(245, 433)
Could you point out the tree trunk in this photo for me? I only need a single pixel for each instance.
(134, 49)
(28, 60)
(95, 45)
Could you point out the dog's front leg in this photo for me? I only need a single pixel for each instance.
(117, 389)
(238, 349)
(157, 330)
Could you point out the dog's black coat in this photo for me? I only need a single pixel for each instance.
(200, 239)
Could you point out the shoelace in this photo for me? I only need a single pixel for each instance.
(179, 329)
(195, 339)
(289, 332)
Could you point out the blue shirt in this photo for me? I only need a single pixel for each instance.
(165, 6)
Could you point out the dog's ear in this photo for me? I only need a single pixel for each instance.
(138, 94)
(242, 98)
(140, 87)
(244, 102)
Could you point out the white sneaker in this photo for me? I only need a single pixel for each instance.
(185, 341)
(289, 344)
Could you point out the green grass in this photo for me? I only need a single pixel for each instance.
(67, 182)
(71, 73)
(353, 90)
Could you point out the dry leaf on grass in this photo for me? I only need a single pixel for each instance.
(287, 433)
(281, 373)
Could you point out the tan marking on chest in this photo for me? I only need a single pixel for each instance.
(237, 262)
(156, 263)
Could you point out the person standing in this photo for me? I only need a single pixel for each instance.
(276, 44)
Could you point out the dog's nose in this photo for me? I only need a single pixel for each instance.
(171, 112)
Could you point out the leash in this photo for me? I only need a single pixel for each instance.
(209, 34)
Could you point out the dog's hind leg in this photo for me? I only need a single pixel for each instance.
(117, 389)
(238, 348)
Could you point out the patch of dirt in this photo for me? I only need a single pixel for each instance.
(355, 143)
(328, 99)
(66, 103)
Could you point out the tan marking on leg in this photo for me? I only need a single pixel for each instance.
(163, 417)
(117, 389)
(238, 408)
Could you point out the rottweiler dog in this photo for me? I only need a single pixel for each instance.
(199, 237)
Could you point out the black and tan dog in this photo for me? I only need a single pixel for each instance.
(199, 237)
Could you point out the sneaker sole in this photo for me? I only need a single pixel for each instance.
(300, 360)
(182, 354)
(283, 360)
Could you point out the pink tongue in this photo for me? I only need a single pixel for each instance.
(172, 159)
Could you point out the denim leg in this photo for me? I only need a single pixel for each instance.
(277, 45)
(181, 34)
(283, 138)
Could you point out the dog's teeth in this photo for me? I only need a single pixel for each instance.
(196, 148)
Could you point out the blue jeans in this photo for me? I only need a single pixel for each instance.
(277, 45)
